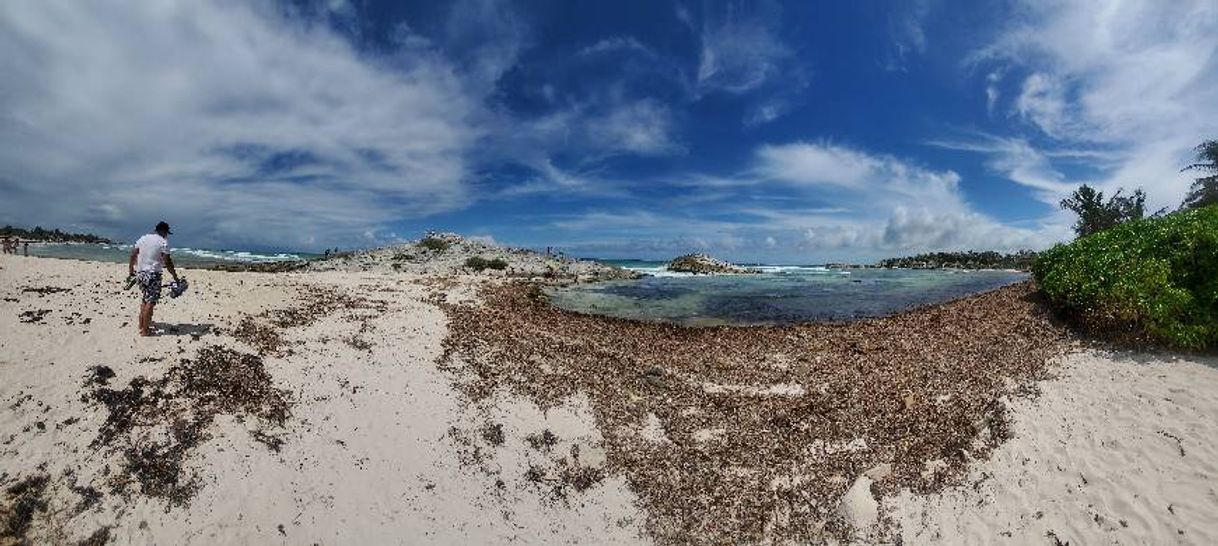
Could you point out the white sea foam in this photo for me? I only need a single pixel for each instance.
(662, 270)
(658, 271)
(792, 269)
(235, 255)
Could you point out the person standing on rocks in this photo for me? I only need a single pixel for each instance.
(148, 258)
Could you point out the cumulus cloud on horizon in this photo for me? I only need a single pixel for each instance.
(875, 205)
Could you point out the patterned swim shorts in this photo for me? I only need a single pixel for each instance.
(150, 285)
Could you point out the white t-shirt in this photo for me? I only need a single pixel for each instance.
(152, 249)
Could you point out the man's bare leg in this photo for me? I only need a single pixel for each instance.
(146, 318)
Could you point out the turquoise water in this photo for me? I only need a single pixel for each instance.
(185, 257)
(780, 295)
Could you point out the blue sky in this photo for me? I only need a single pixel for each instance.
(759, 131)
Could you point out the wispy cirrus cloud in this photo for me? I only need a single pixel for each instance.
(742, 52)
(906, 25)
(1133, 76)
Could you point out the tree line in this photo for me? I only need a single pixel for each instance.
(51, 235)
(1021, 260)
(1095, 213)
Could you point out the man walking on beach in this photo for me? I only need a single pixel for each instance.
(150, 255)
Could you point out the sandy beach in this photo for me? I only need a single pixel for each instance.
(402, 407)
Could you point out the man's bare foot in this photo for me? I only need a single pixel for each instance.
(145, 333)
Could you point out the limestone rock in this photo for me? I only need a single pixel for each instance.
(705, 265)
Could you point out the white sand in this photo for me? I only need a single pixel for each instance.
(371, 454)
(381, 449)
(1119, 449)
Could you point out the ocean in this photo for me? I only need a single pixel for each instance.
(781, 294)
(183, 256)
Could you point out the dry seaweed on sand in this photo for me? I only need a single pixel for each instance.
(264, 332)
(99, 375)
(100, 537)
(33, 316)
(748, 434)
(18, 505)
(156, 424)
(544, 440)
(317, 302)
(44, 290)
(556, 483)
(264, 338)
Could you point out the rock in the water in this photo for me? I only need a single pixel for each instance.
(706, 265)
(858, 507)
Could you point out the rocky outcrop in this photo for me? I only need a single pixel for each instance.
(705, 265)
(452, 254)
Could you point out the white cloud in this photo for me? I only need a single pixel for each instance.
(873, 180)
(1020, 162)
(643, 127)
(233, 122)
(874, 205)
(1042, 101)
(767, 110)
(816, 164)
(740, 51)
(616, 44)
(908, 35)
(1133, 75)
(992, 93)
(742, 54)
(485, 37)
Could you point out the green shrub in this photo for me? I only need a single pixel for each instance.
(1158, 275)
(434, 243)
(478, 263)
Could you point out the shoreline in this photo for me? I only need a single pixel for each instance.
(463, 409)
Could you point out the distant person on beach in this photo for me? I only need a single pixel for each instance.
(25, 247)
(150, 255)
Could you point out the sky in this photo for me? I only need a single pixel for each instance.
(782, 132)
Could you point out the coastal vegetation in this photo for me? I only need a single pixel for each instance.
(434, 243)
(51, 235)
(478, 263)
(1021, 260)
(1157, 277)
(1154, 278)
(1204, 191)
(1095, 214)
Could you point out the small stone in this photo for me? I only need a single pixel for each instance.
(858, 507)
